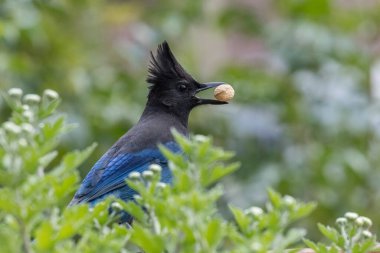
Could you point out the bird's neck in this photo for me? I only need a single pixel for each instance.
(155, 112)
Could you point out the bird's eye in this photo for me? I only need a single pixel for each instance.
(182, 87)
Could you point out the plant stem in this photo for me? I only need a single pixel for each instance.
(26, 246)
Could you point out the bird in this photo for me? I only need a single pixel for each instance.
(172, 96)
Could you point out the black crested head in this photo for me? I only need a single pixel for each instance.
(165, 67)
(172, 88)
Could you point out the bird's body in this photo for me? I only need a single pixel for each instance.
(134, 151)
(169, 105)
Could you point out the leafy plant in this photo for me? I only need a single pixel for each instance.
(261, 231)
(34, 193)
(352, 235)
(36, 184)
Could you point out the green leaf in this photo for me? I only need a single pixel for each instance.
(48, 158)
(304, 210)
(366, 246)
(241, 219)
(73, 159)
(135, 210)
(275, 198)
(330, 233)
(214, 232)
(218, 172)
(184, 142)
(176, 159)
(49, 108)
(292, 236)
(44, 236)
(146, 240)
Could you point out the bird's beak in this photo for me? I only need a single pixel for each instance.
(206, 86)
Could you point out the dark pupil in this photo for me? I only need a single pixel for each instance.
(182, 87)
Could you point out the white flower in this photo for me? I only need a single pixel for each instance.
(155, 168)
(363, 221)
(12, 127)
(147, 174)
(256, 246)
(359, 221)
(351, 215)
(137, 197)
(15, 92)
(28, 115)
(134, 175)
(255, 211)
(161, 185)
(367, 234)
(341, 221)
(289, 200)
(32, 99)
(28, 128)
(22, 142)
(200, 138)
(116, 206)
(51, 94)
(367, 221)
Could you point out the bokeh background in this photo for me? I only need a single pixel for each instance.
(306, 116)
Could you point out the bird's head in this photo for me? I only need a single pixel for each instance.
(171, 86)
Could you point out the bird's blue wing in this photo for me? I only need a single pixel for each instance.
(108, 174)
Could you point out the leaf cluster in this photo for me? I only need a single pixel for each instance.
(36, 185)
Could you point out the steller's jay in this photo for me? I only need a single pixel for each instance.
(172, 95)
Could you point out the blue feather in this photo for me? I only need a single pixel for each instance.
(108, 175)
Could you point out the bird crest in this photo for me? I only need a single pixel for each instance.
(164, 67)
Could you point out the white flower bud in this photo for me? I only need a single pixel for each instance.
(200, 138)
(25, 107)
(51, 94)
(147, 174)
(32, 99)
(137, 197)
(22, 142)
(367, 234)
(11, 221)
(28, 115)
(155, 168)
(134, 175)
(256, 246)
(341, 221)
(351, 215)
(161, 185)
(367, 222)
(363, 221)
(28, 128)
(12, 127)
(116, 206)
(359, 221)
(254, 211)
(289, 200)
(15, 93)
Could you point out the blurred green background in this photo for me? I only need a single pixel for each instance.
(306, 115)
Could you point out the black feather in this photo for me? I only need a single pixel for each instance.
(164, 67)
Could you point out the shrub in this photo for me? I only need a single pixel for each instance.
(36, 184)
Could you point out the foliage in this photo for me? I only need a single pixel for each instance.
(34, 193)
(193, 223)
(182, 217)
(305, 116)
(353, 236)
(269, 231)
